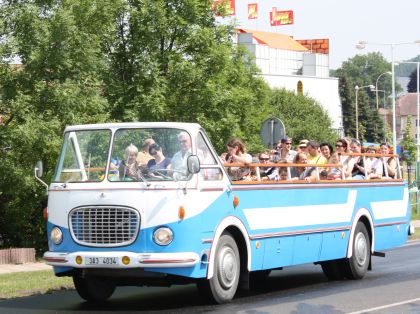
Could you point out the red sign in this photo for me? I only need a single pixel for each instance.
(224, 7)
(252, 11)
(280, 17)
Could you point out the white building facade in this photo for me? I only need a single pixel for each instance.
(285, 63)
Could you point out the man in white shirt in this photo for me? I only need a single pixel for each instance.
(179, 160)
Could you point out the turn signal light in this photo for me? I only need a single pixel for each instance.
(181, 212)
(79, 260)
(126, 260)
(45, 213)
(235, 201)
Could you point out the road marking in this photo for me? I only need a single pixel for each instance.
(385, 306)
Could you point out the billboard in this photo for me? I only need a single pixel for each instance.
(280, 17)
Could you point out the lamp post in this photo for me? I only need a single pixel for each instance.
(384, 117)
(356, 88)
(376, 85)
(362, 45)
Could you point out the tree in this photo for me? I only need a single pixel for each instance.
(412, 83)
(363, 70)
(302, 116)
(410, 150)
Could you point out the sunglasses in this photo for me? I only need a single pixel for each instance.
(339, 145)
(289, 143)
(264, 159)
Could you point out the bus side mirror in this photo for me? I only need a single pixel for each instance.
(39, 172)
(193, 164)
(39, 169)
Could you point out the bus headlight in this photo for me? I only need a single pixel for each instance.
(56, 235)
(163, 236)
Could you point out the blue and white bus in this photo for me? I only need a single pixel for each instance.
(190, 223)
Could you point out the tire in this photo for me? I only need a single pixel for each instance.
(221, 288)
(93, 289)
(357, 265)
(258, 278)
(333, 270)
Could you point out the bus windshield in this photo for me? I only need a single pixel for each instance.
(83, 157)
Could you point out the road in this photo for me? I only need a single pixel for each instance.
(393, 286)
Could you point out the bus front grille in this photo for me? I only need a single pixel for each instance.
(104, 226)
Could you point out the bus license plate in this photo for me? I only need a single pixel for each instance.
(101, 260)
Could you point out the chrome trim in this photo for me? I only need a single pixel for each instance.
(137, 260)
(104, 226)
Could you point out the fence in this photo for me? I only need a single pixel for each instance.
(17, 256)
(414, 200)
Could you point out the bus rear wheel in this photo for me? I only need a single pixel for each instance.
(357, 265)
(93, 289)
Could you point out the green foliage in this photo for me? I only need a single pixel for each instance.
(302, 116)
(104, 61)
(412, 83)
(364, 70)
(410, 150)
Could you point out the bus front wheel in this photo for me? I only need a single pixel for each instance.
(221, 288)
(93, 289)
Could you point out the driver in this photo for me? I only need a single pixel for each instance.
(179, 160)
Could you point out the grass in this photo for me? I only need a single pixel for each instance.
(29, 283)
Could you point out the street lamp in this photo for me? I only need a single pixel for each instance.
(372, 88)
(376, 85)
(362, 45)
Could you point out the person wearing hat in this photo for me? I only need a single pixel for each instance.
(302, 146)
(286, 152)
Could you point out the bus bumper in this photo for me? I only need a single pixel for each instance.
(121, 259)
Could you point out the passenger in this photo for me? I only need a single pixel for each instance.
(236, 154)
(266, 172)
(128, 168)
(286, 151)
(341, 147)
(143, 157)
(374, 165)
(302, 147)
(389, 162)
(283, 174)
(326, 150)
(355, 166)
(159, 161)
(297, 173)
(334, 173)
(179, 160)
(314, 156)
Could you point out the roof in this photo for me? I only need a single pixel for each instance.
(408, 104)
(275, 40)
(175, 125)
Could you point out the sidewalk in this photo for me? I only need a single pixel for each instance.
(11, 268)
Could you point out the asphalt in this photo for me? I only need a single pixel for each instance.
(11, 268)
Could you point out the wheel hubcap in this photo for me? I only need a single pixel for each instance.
(227, 267)
(360, 249)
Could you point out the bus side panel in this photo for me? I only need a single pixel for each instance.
(334, 245)
(278, 252)
(388, 237)
(307, 248)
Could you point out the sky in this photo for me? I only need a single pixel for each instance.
(345, 23)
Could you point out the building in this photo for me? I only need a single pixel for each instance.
(407, 106)
(301, 66)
